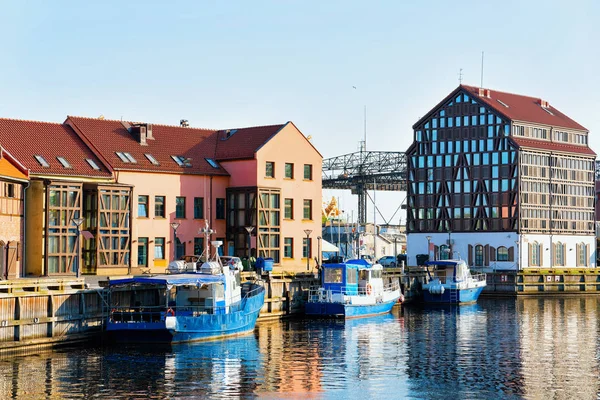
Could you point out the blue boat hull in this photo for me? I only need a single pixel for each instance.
(190, 328)
(338, 310)
(464, 296)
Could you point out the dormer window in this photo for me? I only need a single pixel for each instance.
(64, 162)
(92, 164)
(42, 161)
(151, 158)
(212, 162)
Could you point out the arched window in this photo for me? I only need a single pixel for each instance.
(444, 252)
(479, 255)
(502, 254)
(534, 254)
(560, 253)
(582, 256)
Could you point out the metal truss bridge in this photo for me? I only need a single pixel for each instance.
(366, 170)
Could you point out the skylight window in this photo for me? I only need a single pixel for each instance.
(212, 162)
(503, 103)
(92, 164)
(42, 161)
(178, 160)
(122, 156)
(130, 158)
(64, 162)
(151, 158)
(547, 110)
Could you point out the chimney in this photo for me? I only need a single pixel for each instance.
(485, 93)
(140, 133)
(184, 123)
(544, 104)
(149, 132)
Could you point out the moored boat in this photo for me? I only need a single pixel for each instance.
(451, 281)
(352, 289)
(209, 303)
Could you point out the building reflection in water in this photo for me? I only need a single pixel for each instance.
(498, 348)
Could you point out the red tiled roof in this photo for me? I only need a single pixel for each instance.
(552, 146)
(109, 137)
(244, 142)
(25, 139)
(524, 108)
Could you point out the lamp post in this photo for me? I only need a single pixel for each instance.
(249, 229)
(319, 250)
(428, 247)
(308, 232)
(77, 222)
(175, 225)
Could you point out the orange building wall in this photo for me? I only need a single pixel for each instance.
(171, 186)
(290, 146)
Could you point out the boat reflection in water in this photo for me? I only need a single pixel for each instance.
(497, 348)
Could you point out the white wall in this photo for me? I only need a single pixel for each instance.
(417, 244)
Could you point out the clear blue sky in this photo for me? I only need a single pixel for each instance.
(226, 64)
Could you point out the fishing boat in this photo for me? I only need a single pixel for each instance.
(207, 303)
(352, 289)
(451, 281)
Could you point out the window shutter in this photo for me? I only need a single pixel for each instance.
(19, 249)
(492, 253)
(511, 253)
(529, 254)
(587, 254)
(470, 254)
(486, 255)
(577, 254)
(554, 261)
(541, 247)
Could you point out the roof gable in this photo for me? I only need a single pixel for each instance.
(27, 139)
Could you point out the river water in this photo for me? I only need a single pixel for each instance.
(532, 348)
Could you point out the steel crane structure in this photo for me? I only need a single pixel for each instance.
(365, 170)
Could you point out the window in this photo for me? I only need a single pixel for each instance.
(42, 161)
(534, 254)
(92, 164)
(308, 172)
(560, 254)
(212, 163)
(198, 245)
(198, 207)
(220, 209)
(289, 209)
(159, 248)
(288, 247)
(179, 207)
(582, 256)
(9, 190)
(182, 161)
(143, 252)
(179, 248)
(143, 206)
(130, 158)
(159, 206)
(270, 169)
(502, 254)
(151, 158)
(122, 156)
(306, 248)
(479, 255)
(64, 162)
(307, 214)
(289, 171)
(177, 159)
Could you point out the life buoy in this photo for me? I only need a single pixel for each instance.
(369, 288)
(170, 312)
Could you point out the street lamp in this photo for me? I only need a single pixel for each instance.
(319, 238)
(308, 232)
(175, 225)
(428, 247)
(77, 222)
(249, 229)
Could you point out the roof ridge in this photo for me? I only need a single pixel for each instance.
(142, 122)
(256, 126)
(30, 120)
(501, 91)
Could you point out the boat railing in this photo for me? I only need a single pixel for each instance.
(317, 293)
(479, 277)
